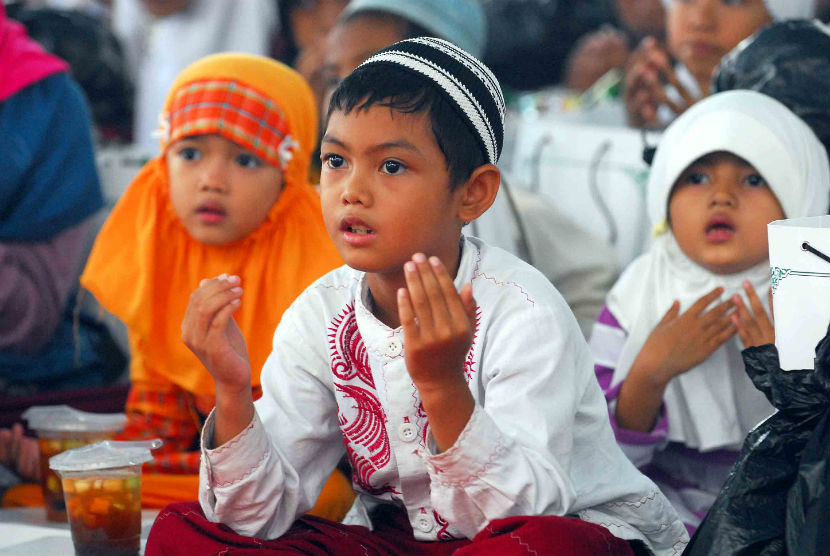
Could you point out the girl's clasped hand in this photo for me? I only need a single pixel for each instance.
(679, 342)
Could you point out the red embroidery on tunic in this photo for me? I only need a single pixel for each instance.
(367, 429)
(469, 363)
(442, 534)
(348, 354)
(362, 471)
(364, 435)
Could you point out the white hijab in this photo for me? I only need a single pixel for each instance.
(783, 9)
(715, 404)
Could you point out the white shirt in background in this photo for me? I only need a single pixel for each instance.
(158, 49)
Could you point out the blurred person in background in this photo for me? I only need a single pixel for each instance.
(79, 32)
(49, 189)
(609, 47)
(162, 37)
(301, 41)
(661, 82)
(49, 192)
(529, 40)
(367, 26)
(580, 265)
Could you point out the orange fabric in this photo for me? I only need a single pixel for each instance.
(158, 490)
(144, 264)
(23, 496)
(291, 95)
(171, 414)
(335, 499)
(240, 113)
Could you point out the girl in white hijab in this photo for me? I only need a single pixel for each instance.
(668, 343)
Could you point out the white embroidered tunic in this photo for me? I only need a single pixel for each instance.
(539, 440)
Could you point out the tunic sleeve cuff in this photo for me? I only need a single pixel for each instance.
(479, 445)
(236, 458)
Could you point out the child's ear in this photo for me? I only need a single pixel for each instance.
(479, 192)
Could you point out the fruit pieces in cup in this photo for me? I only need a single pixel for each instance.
(102, 488)
(52, 444)
(61, 428)
(104, 511)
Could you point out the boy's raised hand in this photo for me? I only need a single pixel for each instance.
(679, 342)
(755, 327)
(211, 333)
(437, 321)
(438, 324)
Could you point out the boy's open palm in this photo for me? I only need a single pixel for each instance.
(680, 342)
(437, 322)
(211, 333)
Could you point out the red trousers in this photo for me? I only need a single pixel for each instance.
(182, 528)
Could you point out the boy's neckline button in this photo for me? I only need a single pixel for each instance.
(393, 347)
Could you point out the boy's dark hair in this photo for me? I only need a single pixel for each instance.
(405, 92)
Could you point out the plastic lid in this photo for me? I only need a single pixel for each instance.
(106, 454)
(65, 418)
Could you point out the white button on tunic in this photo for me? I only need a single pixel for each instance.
(425, 523)
(393, 347)
(407, 432)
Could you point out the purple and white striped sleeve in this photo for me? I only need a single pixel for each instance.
(607, 341)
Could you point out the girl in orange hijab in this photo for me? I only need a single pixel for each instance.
(229, 194)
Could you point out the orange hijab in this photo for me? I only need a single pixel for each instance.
(145, 264)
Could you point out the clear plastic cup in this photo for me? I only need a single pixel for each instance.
(60, 428)
(102, 488)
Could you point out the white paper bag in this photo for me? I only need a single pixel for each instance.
(592, 173)
(800, 287)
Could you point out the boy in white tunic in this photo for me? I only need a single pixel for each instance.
(452, 374)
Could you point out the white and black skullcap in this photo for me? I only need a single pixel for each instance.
(465, 82)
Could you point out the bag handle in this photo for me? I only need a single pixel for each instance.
(805, 246)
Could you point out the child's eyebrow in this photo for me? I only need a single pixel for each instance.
(193, 138)
(705, 160)
(329, 139)
(398, 144)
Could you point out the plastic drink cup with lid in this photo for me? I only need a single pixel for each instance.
(102, 487)
(60, 428)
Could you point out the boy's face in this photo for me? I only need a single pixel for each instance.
(220, 191)
(701, 32)
(385, 190)
(349, 44)
(719, 210)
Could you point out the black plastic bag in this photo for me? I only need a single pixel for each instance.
(775, 500)
(808, 507)
(789, 61)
